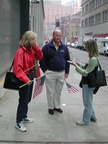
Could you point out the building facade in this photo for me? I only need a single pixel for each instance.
(94, 19)
(54, 11)
(57, 2)
(14, 21)
(70, 27)
(75, 5)
(37, 17)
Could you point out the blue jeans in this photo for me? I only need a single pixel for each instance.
(88, 103)
(25, 94)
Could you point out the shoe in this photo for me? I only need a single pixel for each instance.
(81, 123)
(58, 110)
(93, 119)
(20, 126)
(27, 120)
(51, 111)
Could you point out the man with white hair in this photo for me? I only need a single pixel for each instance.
(54, 65)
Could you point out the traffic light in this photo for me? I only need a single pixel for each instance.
(57, 23)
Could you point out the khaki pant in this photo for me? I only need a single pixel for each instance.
(54, 84)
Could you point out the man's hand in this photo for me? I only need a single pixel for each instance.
(66, 75)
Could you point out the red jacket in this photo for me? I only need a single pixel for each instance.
(24, 59)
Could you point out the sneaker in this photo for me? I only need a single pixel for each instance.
(27, 120)
(20, 126)
(93, 119)
(81, 123)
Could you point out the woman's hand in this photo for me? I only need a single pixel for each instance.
(29, 82)
(77, 63)
(74, 63)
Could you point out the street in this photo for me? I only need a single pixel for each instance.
(82, 56)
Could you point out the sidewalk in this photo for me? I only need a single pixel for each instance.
(57, 128)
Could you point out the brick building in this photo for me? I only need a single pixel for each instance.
(55, 11)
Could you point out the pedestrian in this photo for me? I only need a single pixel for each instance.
(23, 69)
(54, 65)
(87, 92)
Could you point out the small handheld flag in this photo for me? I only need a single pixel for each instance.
(38, 86)
(70, 88)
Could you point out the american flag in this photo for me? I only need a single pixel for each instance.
(38, 86)
(70, 88)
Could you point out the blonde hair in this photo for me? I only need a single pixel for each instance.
(92, 48)
(26, 37)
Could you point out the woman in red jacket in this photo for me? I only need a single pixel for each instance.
(24, 71)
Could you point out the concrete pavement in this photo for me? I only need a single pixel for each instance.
(57, 128)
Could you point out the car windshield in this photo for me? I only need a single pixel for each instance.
(106, 44)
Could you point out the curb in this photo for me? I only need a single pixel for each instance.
(2, 90)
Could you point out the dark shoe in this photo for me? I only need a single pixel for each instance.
(58, 110)
(93, 119)
(51, 111)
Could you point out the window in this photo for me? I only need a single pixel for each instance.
(86, 22)
(82, 23)
(98, 18)
(98, 2)
(86, 8)
(91, 21)
(105, 16)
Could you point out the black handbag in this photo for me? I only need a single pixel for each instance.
(11, 82)
(98, 79)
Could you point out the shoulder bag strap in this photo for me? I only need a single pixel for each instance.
(11, 66)
(12, 63)
(99, 64)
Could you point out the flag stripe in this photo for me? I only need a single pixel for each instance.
(70, 88)
(38, 86)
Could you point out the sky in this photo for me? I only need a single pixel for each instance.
(65, 1)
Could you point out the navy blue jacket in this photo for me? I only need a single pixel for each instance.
(55, 60)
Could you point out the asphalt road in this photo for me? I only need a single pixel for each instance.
(82, 56)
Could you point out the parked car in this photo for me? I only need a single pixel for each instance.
(68, 43)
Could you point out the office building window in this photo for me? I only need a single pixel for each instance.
(86, 22)
(91, 4)
(82, 23)
(105, 15)
(98, 3)
(91, 21)
(98, 18)
(86, 8)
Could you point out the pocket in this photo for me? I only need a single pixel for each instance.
(49, 72)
